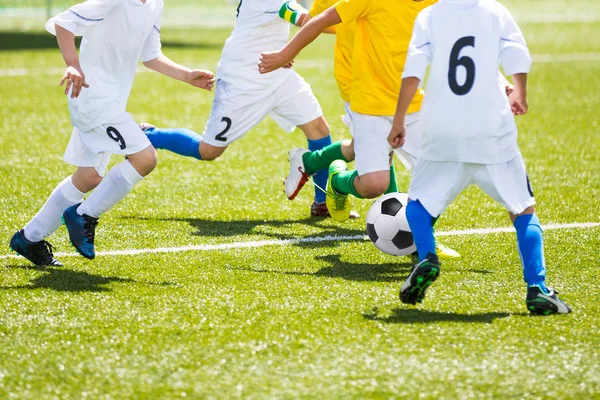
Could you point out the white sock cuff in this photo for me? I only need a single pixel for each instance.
(70, 192)
(129, 173)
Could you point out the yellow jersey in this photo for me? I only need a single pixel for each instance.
(344, 43)
(383, 32)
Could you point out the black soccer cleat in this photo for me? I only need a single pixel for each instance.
(82, 230)
(540, 303)
(420, 278)
(39, 253)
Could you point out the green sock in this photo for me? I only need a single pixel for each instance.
(343, 183)
(315, 161)
(393, 188)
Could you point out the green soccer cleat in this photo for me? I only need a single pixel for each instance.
(338, 204)
(540, 303)
(420, 278)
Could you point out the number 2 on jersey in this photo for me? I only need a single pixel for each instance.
(464, 61)
(116, 136)
(221, 136)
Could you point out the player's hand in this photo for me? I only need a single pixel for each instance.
(397, 135)
(518, 103)
(201, 78)
(270, 61)
(75, 79)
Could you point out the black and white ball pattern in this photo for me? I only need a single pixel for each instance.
(387, 226)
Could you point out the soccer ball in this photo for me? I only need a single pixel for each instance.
(387, 226)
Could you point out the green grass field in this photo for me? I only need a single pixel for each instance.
(302, 319)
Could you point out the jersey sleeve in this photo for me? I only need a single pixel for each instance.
(81, 16)
(514, 54)
(419, 49)
(319, 6)
(152, 46)
(351, 10)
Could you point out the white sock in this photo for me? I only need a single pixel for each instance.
(48, 219)
(114, 187)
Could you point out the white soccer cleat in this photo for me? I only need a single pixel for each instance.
(297, 177)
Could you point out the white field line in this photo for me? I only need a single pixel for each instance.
(537, 58)
(286, 242)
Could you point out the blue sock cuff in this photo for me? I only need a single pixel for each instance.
(319, 143)
(523, 221)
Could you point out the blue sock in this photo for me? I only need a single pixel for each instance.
(421, 225)
(320, 178)
(179, 141)
(531, 249)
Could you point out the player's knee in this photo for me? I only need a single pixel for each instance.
(86, 179)
(374, 187)
(145, 161)
(210, 153)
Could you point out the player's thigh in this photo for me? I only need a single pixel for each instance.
(437, 183)
(296, 105)
(371, 147)
(507, 183)
(409, 153)
(234, 112)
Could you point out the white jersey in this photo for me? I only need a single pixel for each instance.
(466, 114)
(258, 29)
(116, 35)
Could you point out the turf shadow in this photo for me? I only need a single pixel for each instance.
(215, 228)
(414, 316)
(65, 280)
(358, 272)
(363, 272)
(42, 40)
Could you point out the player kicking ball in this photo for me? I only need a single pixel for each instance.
(377, 62)
(116, 34)
(470, 135)
(243, 97)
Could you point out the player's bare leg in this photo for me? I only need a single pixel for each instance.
(209, 152)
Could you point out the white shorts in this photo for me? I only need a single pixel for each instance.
(437, 183)
(93, 148)
(372, 147)
(235, 112)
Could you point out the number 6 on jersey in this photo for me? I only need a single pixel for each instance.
(464, 61)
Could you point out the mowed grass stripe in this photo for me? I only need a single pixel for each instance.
(316, 239)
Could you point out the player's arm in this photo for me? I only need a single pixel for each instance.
(153, 58)
(518, 97)
(407, 92)
(270, 61)
(516, 61)
(75, 22)
(73, 74)
(200, 78)
(417, 60)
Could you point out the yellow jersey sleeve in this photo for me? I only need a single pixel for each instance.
(319, 6)
(351, 10)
